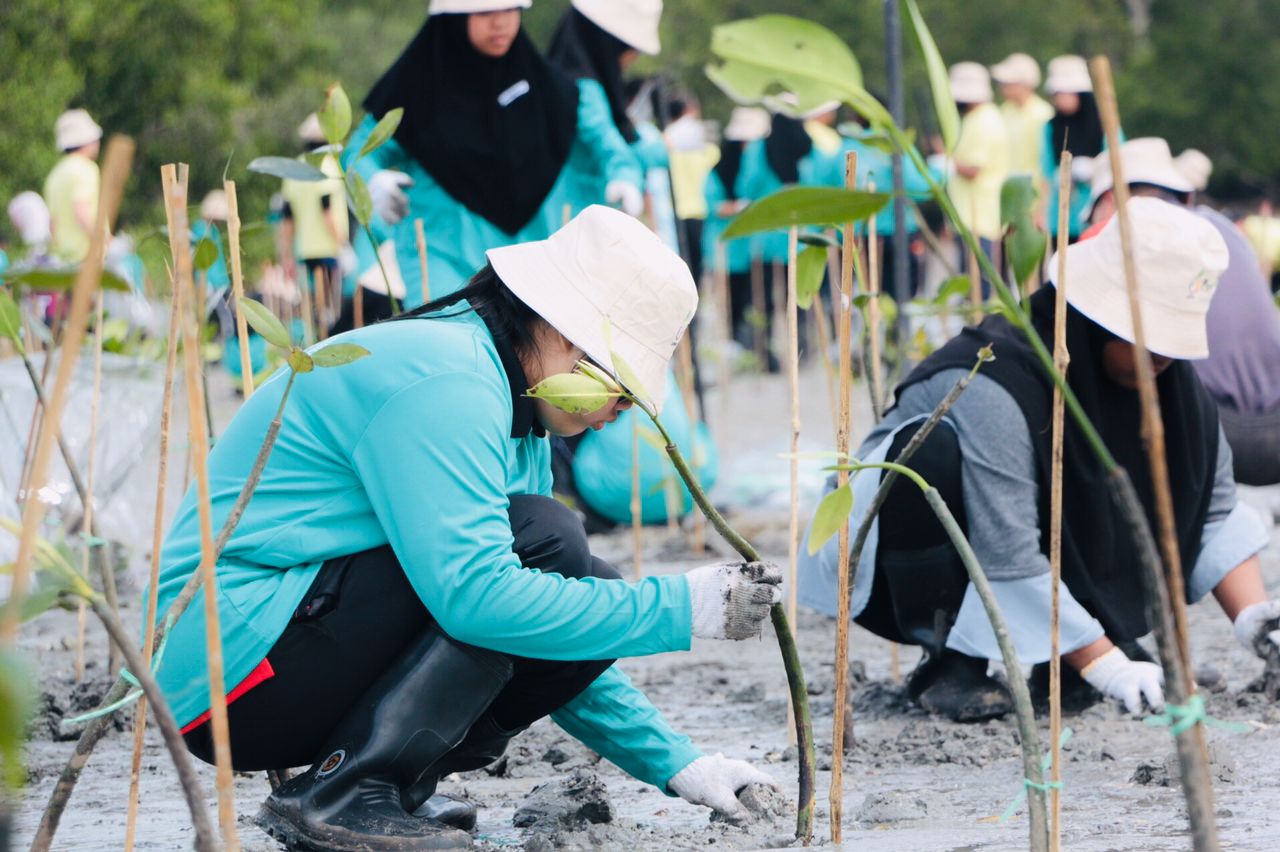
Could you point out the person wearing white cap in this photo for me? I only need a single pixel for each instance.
(490, 147)
(71, 189)
(981, 155)
(1024, 112)
(403, 596)
(1076, 126)
(1240, 371)
(991, 461)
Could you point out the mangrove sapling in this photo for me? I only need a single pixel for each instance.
(590, 389)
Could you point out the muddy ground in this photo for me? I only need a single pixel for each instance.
(912, 782)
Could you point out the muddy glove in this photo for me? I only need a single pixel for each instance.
(1116, 676)
(731, 599)
(1258, 626)
(714, 781)
(386, 188)
(624, 196)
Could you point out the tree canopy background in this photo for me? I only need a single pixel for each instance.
(217, 82)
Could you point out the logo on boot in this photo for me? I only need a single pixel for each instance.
(331, 763)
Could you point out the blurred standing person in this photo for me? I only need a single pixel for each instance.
(980, 159)
(71, 189)
(314, 228)
(1024, 112)
(692, 156)
(1076, 127)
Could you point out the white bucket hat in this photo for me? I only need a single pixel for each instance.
(970, 83)
(1195, 166)
(75, 128)
(634, 22)
(1179, 257)
(747, 124)
(472, 7)
(1146, 159)
(1068, 74)
(605, 275)
(1017, 68)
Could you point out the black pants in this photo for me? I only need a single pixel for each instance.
(374, 307)
(356, 620)
(919, 579)
(1255, 445)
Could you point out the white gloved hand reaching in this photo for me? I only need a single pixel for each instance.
(386, 189)
(1082, 169)
(625, 196)
(731, 599)
(714, 781)
(1116, 676)
(1257, 625)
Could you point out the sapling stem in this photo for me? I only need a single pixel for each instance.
(793, 381)
(421, 233)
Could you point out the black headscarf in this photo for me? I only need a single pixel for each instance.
(728, 166)
(1081, 132)
(582, 50)
(785, 145)
(494, 133)
(1099, 560)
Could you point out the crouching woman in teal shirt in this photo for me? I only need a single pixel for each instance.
(403, 596)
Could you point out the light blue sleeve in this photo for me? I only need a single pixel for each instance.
(433, 461)
(1025, 605)
(1232, 533)
(616, 720)
(613, 157)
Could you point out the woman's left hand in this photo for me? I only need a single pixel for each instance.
(714, 780)
(1258, 626)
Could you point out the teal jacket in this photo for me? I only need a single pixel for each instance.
(756, 180)
(875, 165)
(413, 446)
(737, 253)
(1080, 190)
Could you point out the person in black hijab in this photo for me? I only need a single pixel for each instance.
(583, 50)
(1076, 126)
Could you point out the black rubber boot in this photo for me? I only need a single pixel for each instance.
(484, 744)
(956, 686)
(416, 713)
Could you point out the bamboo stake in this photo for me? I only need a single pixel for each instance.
(357, 306)
(793, 383)
(421, 234)
(237, 291)
(824, 324)
(874, 319)
(157, 528)
(175, 200)
(1060, 360)
(1171, 625)
(319, 283)
(637, 518)
(685, 351)
(844, 334)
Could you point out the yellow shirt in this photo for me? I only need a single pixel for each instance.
(313, 238)
(984, 145)
(689, 170)
(1025, 127)
(1263, 233)
(73, 180)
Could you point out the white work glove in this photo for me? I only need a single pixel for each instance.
(625, 196)
(1116, 676)
(386, 188)
(1258, 625)
(1082, 169)
(731, 599)
(714, 781)
(347, 260)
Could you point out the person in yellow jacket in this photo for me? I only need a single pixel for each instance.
(71, 189)
(981, 157)
(1024, 112)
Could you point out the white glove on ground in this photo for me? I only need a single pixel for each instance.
(714, 780)
(624, 196)
(1116, 676)
(386, 188)
(731, 599)
(1258, 624)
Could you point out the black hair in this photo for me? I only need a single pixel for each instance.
(486, 294)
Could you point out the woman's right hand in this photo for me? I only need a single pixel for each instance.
(386, 189)
(731, 600)
(1130, 681)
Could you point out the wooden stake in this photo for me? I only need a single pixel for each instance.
(157, 526)
(1060, 360)
(844, 330)
(116, 169)
(357, 305)
(176, 204)
(874, 319)
(1171, 626)
(421, 234)
(237, 292)
(637, 519)
(320, 283)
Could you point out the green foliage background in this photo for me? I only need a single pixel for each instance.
(212, 81)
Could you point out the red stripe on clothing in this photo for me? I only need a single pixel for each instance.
(262, 673)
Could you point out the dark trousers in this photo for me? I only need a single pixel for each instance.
(357, 619)
(1255, 445)
(919, 579)
(374, 307)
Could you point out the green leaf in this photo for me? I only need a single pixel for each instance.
(572, 392)
(831, 514)
(206, 254)
(1024, 243)
(956, 285)
(10, 320)
(338, 354)
(265, 323)
(587, 368)
(335, 117)
(62, 279)
(811, 265)
(300, 361)
(287, 168)
(358, 197)
(382, 131)
(38, 602)
(17, 703)
(1017, 199)
(630, 380)
(805, 205)
(939, 82)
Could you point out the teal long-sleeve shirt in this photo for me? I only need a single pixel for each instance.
(457, 238)
(413, 446)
